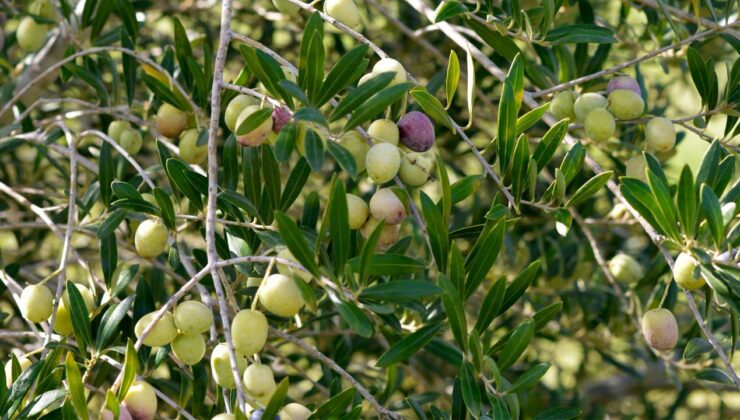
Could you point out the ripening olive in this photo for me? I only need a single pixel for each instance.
(36, 303)
(385, 205)
(193, 317)
(30, 35)
(358, 211)
(150, 239)
(625, 104)
(131, 141)
(623, 82)
(294, 411)
(259, 380)
(635, 167)
(171, 121)
(660, 134)
(388, 234)
(280, 295)
(189, 348)
(415, 169)
(686, 273)
(587, 103)
(221, 366)
(383, 131)
(141, 401)
(345, 11)
(115, 128)
(561, 106)
(660, 329)
(599, 125)
(382, 162)
(24, 363)
(357, 147)
(163, 333)
(190, 151)
(391, 65)
(235, 107)
(416, 131)
(625, 268)
(249, 331)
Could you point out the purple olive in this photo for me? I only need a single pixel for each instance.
(623, 82)
(416, 131)
(280, 117)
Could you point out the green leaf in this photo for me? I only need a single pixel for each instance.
(296, 243)
(638, 194)
(698, 73)
(343, 73)
(695, 348)
(665, 211)
(559, 413)
(470, 390)
(573, 162)
(549, 144)
(343, 157)
(162, 92)
(267, 71)
(409, 345)
(528, 120)
(314, 150)
(285, 143)
(360, 94)
(453, 75)
(111, 321)
(355, 317)
(271, 176)
(367, 254)
(339, 226)
(178, 173)
(165, 204)
(129, 65)
(506, 126)
(520, 169)
(385, 264)
(311, 115)
(455, 312)
(712, 211)
(183, 51)
(335, 406)
(529, 378)
(519, 285)
(74, 384)
(21, 387)
(106, 172)
(580, 34)
(401, 290)
(714, 375)
(130, 366)
(449, 9)
(110, 223)
(437, 231)
(80, 316)
(591, 187)
(431, 105)
(465, 187)
(277, 399)
(516, 344)
(483, 255)
(491, 305)
(295, 183)
(314, 65)
(377, 104)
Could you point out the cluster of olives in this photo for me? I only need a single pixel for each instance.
(183, 330)
(37, 304)
(659, 326)
(599, 115)
(126, 136)
(243, 106)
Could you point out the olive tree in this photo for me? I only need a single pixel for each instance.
(348, 209)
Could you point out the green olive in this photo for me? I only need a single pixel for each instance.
(189, 348)
(164, 330)
(280, 295)
(150, 238)
(36, 303)
(141, 401)
(660, 329)
(249, 331)
(193, 317)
